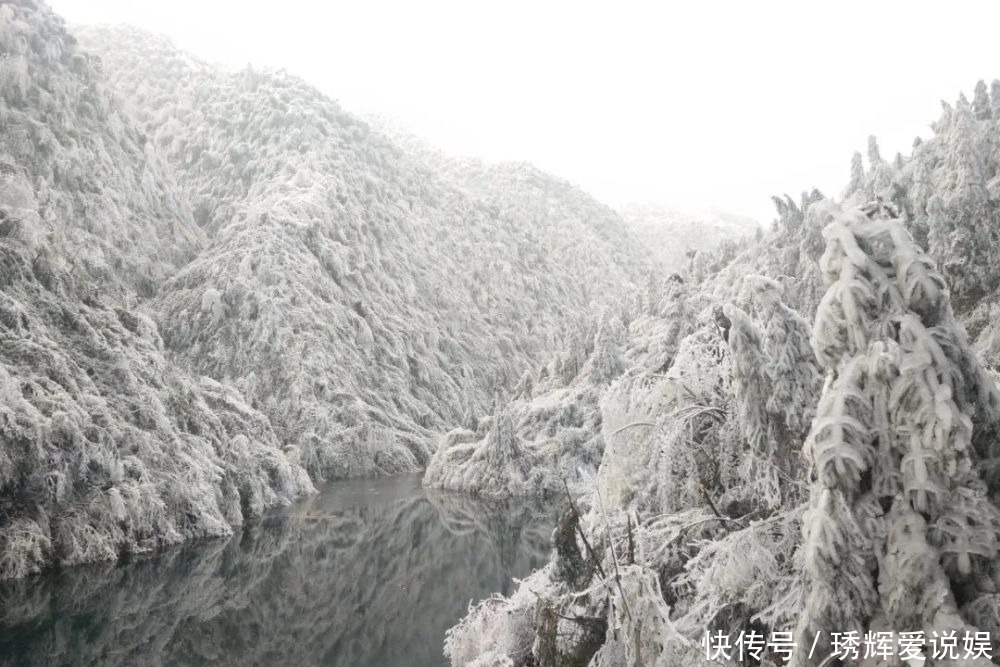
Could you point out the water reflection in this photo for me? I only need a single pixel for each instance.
(367, 574)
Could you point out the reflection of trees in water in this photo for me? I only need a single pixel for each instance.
(513, 527)
(372, 585)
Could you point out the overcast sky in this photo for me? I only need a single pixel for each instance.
(693, 104)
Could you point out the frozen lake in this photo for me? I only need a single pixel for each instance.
(369, 573)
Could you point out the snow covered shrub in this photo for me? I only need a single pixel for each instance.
(708, 424)
(498, 466)
(629, 412)
(24, 549)
(557, 426)
(499, 629)
(896, 497)
(14, 80)
(743, 575)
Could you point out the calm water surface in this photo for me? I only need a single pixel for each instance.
(366, 574)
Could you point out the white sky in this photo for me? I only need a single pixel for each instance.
(693, 104)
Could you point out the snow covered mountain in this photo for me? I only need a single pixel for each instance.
(360, 299)
(220, 287)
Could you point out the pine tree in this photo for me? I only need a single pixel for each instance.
(899, 530)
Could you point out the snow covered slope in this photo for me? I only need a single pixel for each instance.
(360, 299)
(105, 447)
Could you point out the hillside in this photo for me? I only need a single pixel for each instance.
(361, 300)
(106, 448)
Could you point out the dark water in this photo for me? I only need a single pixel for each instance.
(367, 574)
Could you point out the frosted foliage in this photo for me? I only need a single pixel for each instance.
(110, 450)
(788, 255)
(750, 366)
(498, 629)
(669, 436)
(700, 511)
(639, 620)
(792, 367)
(25, 549)
(754, 569)
(894, 428)
(607, 361)
(555, 419)
(496, 467)
(534, 445)
(981, 102)
(660, 326)
(67, 148)
(676, 427)
(629, 413)
(491, 659)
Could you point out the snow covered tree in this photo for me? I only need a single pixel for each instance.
(607, 360)
(654, 336)
(981, 102)
(776, 380)
(857, 182)
(900, 532)
(792, 368)
(874, 155)
(761, 465)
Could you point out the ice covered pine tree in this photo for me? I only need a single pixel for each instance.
(901, 530)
